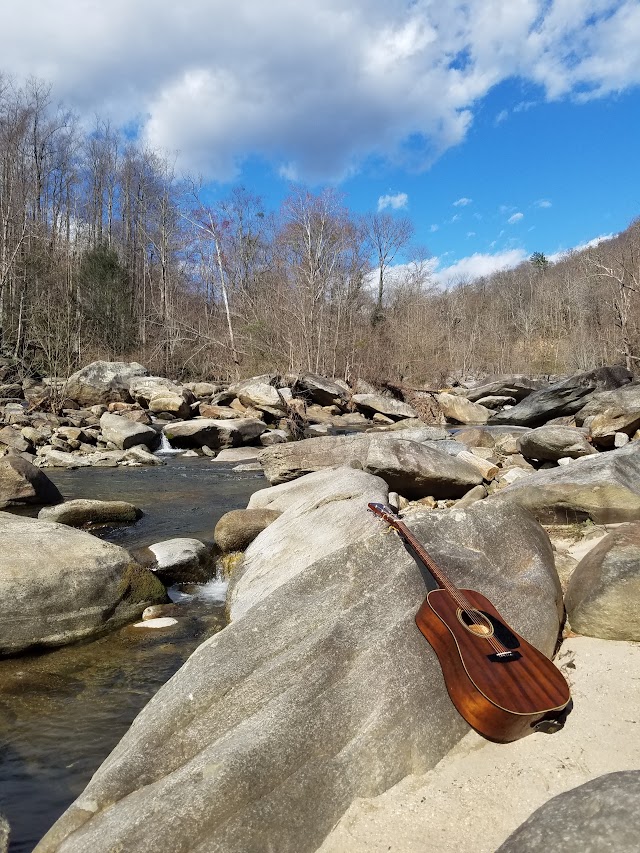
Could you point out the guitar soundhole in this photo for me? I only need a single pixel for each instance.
(475, 622)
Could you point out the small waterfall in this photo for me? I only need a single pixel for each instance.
(165, 446)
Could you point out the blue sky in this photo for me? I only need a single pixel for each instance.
(501, 127)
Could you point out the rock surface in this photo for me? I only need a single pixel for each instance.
(237, 529)
(408, 467)
(462, 411)
(562, 398)
(481, 792)
(125, 433)
(603, 595)
(327, 691)
(321, 390)
(182, 560)
(611, 412)
(23, 483)
(58, 585)
(217, 434)
(599, 815)
(604, 487)
(370, 403)
(103, 382)
(83, 511)
(554, 442)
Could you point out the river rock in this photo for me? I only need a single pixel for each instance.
(170, 403)
(563, 398)
(410, 468)
(274, 436)
(144, 388)
(83, 511)
(158, 622)
(217, 434)
(218, 413)
(395, 409)
(261, 396)
(601, 815)
(612, 412)
(141, 456)
(13, 437)
(125, 433)
(182, 560)
(516, 386)
(553, 442)
(237, 529)
(238, 454)
(323, 391)
(604, 487)
(495, 401)
(103, 382)
(4, 834)
(23, 483)
(59, 585)
(461, 410)
(325, 692)
(603, 595)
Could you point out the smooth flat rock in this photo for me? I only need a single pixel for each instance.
(82, 511)
(395, 409)
(481, 792)
(125, 433)
(238, 454)
(516, 385)
(462, 411)
(158, 622)
(237, 529)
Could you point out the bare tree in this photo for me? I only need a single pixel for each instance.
(387, 235)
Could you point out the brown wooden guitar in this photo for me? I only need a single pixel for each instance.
(502, 686)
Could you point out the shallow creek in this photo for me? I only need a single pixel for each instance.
(62, 712)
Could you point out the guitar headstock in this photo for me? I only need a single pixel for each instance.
(385, 512)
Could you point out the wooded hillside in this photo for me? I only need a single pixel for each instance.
(106, 253)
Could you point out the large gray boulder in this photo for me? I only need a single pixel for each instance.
(23, 483)
(320, 390)
(143, 388)
(103, 382)
(555, 442)
(409, 467)
(182, 560)
(462, 411)
(261, 395)
(125, 433)
(562, 398)
(604, 487)
(371, 403)
(516, 385)
(603, 595)
(58, 585)
(324, 691)
(600, 816)
(216, 434)
(610, 412)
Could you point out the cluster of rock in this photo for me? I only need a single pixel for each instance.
(321, 689)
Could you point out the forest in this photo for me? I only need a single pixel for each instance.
(107, 253)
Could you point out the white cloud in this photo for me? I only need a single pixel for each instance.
(462, 202)
(396, 202)
(478, 265)
(434, 228)
(316, 87)
(503, 115)
(515, 218)
(590, 244)
(542, 202)
(471, 233)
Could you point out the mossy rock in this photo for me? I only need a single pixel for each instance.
(138, 585)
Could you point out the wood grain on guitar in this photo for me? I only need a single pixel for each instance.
(503, 686)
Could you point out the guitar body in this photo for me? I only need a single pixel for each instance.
(502, 696)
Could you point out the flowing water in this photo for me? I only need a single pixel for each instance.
(63, 711)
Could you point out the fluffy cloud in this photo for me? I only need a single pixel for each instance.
(542, 202)
(515, 218)
(396, 202)
(590, 244)
(313, 88)
(462, 202)
(478, 265)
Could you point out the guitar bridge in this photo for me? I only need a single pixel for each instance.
(505, 656)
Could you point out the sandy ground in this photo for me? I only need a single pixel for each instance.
(480, 792)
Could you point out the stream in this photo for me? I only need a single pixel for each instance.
(63, 711)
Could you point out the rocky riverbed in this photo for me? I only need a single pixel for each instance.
(321, 690)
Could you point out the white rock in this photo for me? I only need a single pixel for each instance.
(160, 622)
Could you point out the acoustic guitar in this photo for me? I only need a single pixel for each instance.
(502, 686)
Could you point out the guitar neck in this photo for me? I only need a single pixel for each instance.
(441, 579)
